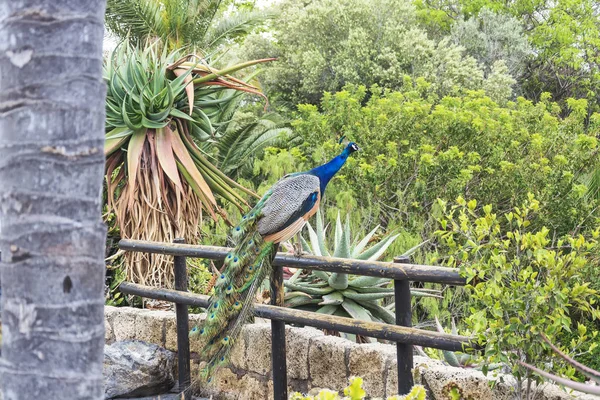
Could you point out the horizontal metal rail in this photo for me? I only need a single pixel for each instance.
(397, 271)
(377, 330)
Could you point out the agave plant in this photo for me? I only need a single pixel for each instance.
(159, 182)
(592, 374)
(340, 294)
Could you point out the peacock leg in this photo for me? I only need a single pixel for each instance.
(298, 251)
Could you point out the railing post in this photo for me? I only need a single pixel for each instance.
(278, 359)
(404, 352)
(183, 341)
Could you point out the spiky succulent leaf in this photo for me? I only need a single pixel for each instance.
(334, 299)
(360, 246)
(321, 234)
(314, 241)
(375, 252)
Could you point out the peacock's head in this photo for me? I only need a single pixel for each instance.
(352, 147)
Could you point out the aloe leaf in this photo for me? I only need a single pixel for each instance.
(134, 153)
(293, 278)
(338, 232)
(351, 294)
(291, 295)
(356, 311)
(385, 290)
(308, 289)
(338, 281)
(363, 281)
(375, 252)
(321, 231)
(186, 160)
(237, 67)
(305, 245)
(451, 358)
(363, 243)
(328, 309)
(342, 249)
(180, 114)
(324, 276)
(418, 293)
(300, 301)
(411, 251)
(111, 145)
(119, 132)
(314, 241)
(335, 298)
(152, 124)
(166, 159)
(378, 311)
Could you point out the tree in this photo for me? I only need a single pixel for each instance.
(200, 24)
(51, 166)
(367, 42)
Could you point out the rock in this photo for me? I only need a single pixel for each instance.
(133, 368)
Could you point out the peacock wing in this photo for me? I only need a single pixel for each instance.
(291, 202)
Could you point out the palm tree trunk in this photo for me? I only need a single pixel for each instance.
(51, 166)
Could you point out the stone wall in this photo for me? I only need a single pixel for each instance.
(314, 361)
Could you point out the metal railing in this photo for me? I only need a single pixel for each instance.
(401, 271)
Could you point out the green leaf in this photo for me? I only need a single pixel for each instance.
(375, 252)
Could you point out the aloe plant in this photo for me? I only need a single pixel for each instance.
(340, 294)
(159, 182)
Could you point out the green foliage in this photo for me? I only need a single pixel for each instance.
(415, 150)
(564, 35)
(366, 42)
(354, 391)
(491, 37)
(520, 281)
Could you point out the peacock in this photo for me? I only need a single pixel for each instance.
(278, 215)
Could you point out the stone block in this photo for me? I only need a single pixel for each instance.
(109, 334)
(290, 388)
(237, 356)
(258, 348)
(226, 385)
(123, 323)
(440, 379)
(171, 332)
(370, 362)
(297, 344)
(149, 326)
(327, 362)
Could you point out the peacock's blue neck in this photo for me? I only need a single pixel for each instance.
(326, 171)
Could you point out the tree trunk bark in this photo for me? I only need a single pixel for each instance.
(51, 166)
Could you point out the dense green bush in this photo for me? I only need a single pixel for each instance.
(416, 149)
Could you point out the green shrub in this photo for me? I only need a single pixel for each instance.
(520, 281)
(415, 150)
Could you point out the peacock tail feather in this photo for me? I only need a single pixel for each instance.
(245, 267)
